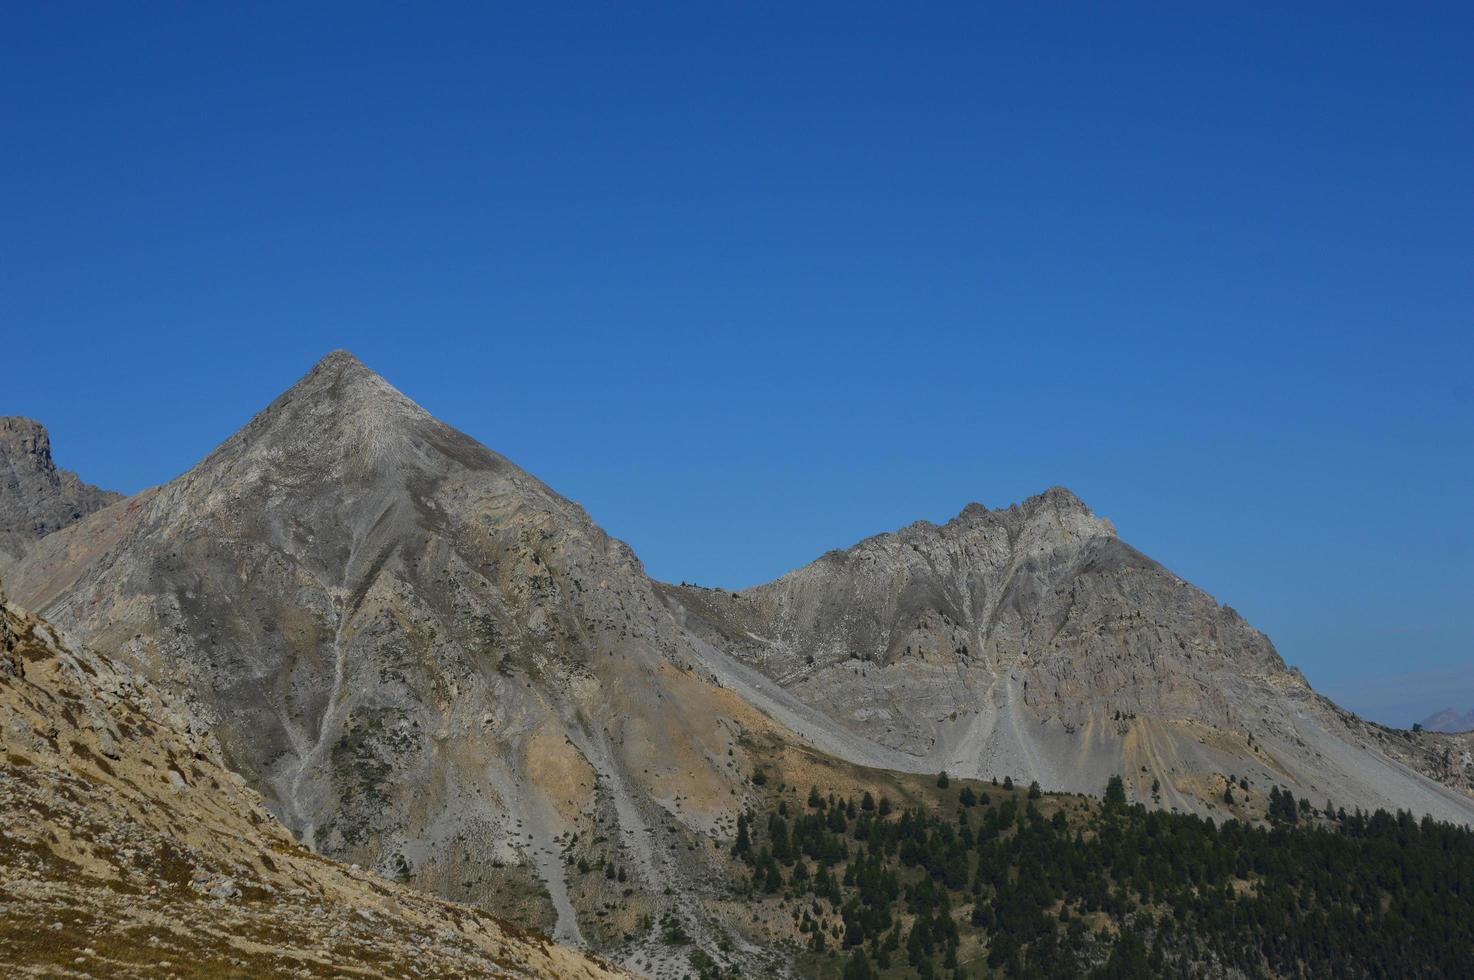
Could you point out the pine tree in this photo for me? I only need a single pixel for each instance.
(858, 967)
(774, 880)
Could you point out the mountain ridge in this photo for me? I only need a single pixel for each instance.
(429, 662)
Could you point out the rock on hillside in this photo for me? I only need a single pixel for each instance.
(1033, 642)
(36, 498)
(128, 849)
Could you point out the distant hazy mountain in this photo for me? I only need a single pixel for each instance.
(1449, 720)
(430, 663)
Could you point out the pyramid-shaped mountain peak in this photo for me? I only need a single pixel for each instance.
(341, 394)
(340, 357)
(343, 377)
(339, 424)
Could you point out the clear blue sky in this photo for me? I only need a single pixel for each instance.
(752, 283)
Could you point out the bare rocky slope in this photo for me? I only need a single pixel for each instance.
(36, 497)
(429, 663)
(128, 849)
(1034, 642)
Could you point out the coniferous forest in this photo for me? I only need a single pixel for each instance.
(997, 881)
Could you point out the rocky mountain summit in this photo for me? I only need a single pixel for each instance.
(1032, 641)
(428, 662)
(129, 849)
(36, 497)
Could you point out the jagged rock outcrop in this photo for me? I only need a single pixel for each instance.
(36, 498)
(128, 849)
(1033, 642)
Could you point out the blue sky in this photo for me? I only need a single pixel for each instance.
(751, 283)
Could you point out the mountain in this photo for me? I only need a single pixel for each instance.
(1449, 720)
(36, 498)
(130, 850)
(425, 660)
(431, 664)
(1033, 642)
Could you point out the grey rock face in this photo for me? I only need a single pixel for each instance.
(1033, 642)
(36, 498)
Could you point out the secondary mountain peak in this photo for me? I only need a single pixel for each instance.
(1041, 518)
(1058, 497)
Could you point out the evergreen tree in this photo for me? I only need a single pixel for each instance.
(744, 840)
(858, 968)
(773, 880)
